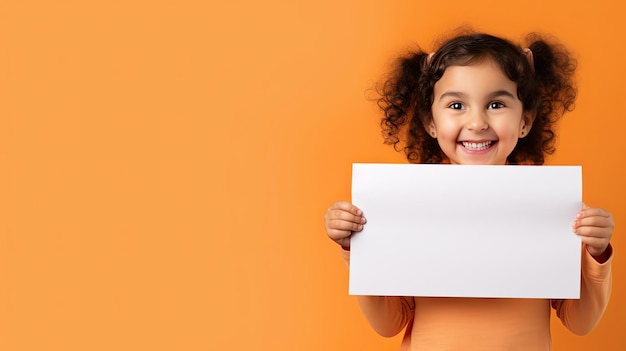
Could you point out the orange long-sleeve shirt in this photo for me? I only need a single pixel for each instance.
(489, 324)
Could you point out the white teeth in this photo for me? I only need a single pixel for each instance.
(476, 146)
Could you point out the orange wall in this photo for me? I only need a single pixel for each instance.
(165, 165)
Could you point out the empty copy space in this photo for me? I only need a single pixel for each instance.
(466, 231)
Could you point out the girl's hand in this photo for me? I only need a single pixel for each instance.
(341, 220)
(595, 227)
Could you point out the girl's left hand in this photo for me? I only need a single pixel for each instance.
(595, 228)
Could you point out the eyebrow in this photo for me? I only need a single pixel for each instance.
(460, 95)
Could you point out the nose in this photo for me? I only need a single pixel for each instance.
(477, 120)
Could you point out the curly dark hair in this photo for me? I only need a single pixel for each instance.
(546, 91)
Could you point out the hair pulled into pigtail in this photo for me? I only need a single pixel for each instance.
(399, 101)
(554, 70)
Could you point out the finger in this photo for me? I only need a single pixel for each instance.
(589, 212)
(589, 223)
(340, 224)
(601, 222)
(594, 232)
(339, 235)
(345, 206)
(345, 216)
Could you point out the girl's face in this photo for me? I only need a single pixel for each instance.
(477, 116)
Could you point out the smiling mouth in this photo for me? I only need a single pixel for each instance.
(477, 146)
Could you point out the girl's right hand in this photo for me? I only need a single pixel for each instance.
(341, 220)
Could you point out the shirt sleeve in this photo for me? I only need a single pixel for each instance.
(582, 315)
(388, 315)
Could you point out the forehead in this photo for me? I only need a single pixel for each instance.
(480, 78)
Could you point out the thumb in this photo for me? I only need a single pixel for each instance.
(585, 206)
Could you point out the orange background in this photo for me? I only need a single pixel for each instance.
(165, 165)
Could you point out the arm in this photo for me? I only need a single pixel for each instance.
(595, 228)
(387, 315)
(581, 316)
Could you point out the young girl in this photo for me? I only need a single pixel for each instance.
(479, 99)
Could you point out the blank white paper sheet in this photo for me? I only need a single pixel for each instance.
(466, 231)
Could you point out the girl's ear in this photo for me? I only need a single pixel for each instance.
(430, 128)
(526, 123)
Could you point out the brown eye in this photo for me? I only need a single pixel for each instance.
(495, 105)
(456, 106)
